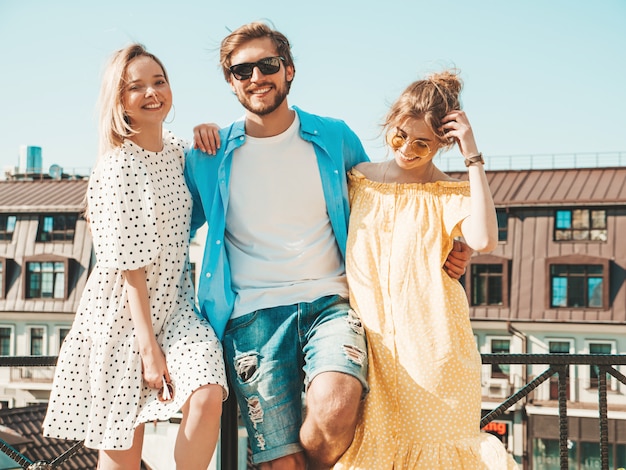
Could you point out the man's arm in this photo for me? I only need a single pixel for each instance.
(198, 216)
(458, 259)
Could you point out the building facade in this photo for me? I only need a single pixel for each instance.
(45, 257)
(555, 284)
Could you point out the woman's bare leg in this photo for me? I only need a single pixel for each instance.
(199, 428)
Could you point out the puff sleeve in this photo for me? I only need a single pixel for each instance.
(122, 212)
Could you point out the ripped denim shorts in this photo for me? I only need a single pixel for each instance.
(274, 353)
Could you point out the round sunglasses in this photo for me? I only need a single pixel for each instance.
(267, 66)
(397, 139)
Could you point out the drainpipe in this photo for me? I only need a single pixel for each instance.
(524, 417)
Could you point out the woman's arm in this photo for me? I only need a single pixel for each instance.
(152, 358)
(480, 228)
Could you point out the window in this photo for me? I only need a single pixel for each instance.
(577, 281)
(503, 222)
(2, 278)
(489, 281)
(57, 228)
(61, 334)
(46, 279)
(486, 284)
(576, 285)
(500, 346)
(37, 340)
(6, 340)
(594, 371)
(559, 347)
(7, 227)
(192, 268)
(580, 224)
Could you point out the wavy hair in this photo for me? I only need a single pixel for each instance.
(248, 32)
(429, 99)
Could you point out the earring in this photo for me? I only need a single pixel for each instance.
(173, 115)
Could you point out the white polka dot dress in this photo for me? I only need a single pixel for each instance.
(423, 409)
(139, 211)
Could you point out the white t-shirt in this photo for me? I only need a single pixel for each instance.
(279, 239)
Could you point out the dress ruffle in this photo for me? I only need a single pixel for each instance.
(483, 452)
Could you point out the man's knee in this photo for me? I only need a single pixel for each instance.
(288, 462)
(334, 397)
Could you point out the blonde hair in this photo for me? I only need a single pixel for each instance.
(114, 125)
(429, 99)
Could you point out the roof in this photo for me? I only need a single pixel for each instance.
(44, 195)
(27, 422)
(580, 186)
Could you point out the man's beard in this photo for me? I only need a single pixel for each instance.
(263, 110)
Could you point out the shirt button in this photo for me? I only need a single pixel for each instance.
(218, 242)
(208, 274)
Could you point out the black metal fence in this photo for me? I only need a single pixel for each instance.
(557, 365)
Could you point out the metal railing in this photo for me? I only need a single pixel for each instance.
(547, 161)
(557, 365)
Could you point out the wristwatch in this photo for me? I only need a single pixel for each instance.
(475, 159)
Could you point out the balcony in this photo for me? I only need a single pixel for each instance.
(32, 375)
(550, 389)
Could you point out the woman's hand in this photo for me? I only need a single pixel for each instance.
(154, 367)
(206, 137)
(457, 126)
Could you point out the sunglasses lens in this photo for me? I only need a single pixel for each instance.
(419, 148)
(395, 141)
(267, 66)
(242, 71)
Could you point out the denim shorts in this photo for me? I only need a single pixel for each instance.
(274, 353)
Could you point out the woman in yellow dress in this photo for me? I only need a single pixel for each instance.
(423, 409)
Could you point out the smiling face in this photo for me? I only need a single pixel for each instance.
(413, 129)
(260, 94)
(146, 97)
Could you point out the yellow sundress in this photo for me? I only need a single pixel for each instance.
(423, 408)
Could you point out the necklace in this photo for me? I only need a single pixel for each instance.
(427, 180)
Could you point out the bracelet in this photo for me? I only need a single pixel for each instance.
(475, 159)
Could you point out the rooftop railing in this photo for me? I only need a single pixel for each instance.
(451, 161)
(557, 365)
(548, 161)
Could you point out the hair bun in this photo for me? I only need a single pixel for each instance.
(447, 80)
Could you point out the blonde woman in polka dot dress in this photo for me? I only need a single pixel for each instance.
(136, 327)
(423, 409)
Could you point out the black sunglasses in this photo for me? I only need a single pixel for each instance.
(267, 66)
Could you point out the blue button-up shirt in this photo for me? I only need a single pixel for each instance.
(337, 149)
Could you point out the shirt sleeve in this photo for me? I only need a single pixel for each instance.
(456, 208)
(122, 213)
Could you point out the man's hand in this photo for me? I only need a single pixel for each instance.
(458, 259)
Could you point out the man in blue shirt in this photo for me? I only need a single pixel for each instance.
(273, 281)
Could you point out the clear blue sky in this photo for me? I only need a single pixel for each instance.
(541, 76)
